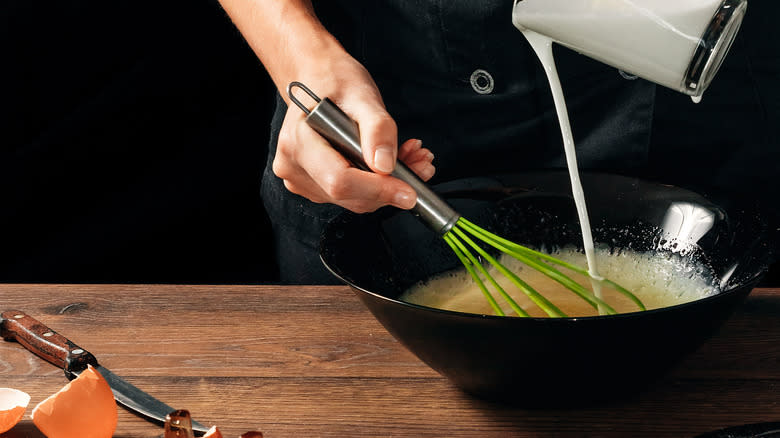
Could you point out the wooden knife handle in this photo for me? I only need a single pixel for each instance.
(47, 344)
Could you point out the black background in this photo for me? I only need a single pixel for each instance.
(133, 137)
(133, 140)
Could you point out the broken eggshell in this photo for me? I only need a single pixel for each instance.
(13, 403)
(84, 408)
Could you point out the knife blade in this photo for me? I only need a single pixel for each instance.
(51, 346)
(756, 430)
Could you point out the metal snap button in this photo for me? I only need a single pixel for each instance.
(482, 82)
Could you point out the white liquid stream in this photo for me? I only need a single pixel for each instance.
(542, 45)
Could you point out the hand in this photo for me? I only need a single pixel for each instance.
(310, 167)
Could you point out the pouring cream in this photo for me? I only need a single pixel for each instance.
(542, 45)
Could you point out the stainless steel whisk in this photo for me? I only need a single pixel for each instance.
(343, 134)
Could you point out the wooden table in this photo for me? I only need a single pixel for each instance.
(312, 361)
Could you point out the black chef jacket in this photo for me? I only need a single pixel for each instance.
(458, 75)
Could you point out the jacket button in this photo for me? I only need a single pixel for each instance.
(482, 82)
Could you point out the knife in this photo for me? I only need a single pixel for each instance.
(756, 430)
(47, 344)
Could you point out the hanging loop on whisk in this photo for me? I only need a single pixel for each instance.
(295, 100)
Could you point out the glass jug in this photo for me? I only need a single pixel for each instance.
(679, 44)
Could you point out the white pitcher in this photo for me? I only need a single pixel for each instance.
(679, 44)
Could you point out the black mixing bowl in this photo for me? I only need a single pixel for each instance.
(543, 361)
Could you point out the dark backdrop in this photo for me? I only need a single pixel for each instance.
(133, 137)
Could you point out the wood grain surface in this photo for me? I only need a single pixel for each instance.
(311, 361)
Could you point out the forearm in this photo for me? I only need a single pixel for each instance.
(293, 45)
(286, 35)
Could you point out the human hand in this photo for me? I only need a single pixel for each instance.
(310, 167)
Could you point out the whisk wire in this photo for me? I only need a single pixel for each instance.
(508, 298)
(535, 263)
(513, 248)
(625, 292)
(532, 294)
(454, 244)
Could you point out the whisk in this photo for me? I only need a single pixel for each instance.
(459, 233)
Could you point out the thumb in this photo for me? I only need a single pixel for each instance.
(379, 140)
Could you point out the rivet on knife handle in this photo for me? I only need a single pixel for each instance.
(44, 342)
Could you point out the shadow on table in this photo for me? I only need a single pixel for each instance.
(26, 429)
(727, 382)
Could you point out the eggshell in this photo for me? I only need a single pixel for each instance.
(213, 433)
(13, 403)
(84, 408)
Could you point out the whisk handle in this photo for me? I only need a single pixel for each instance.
(344, 135)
